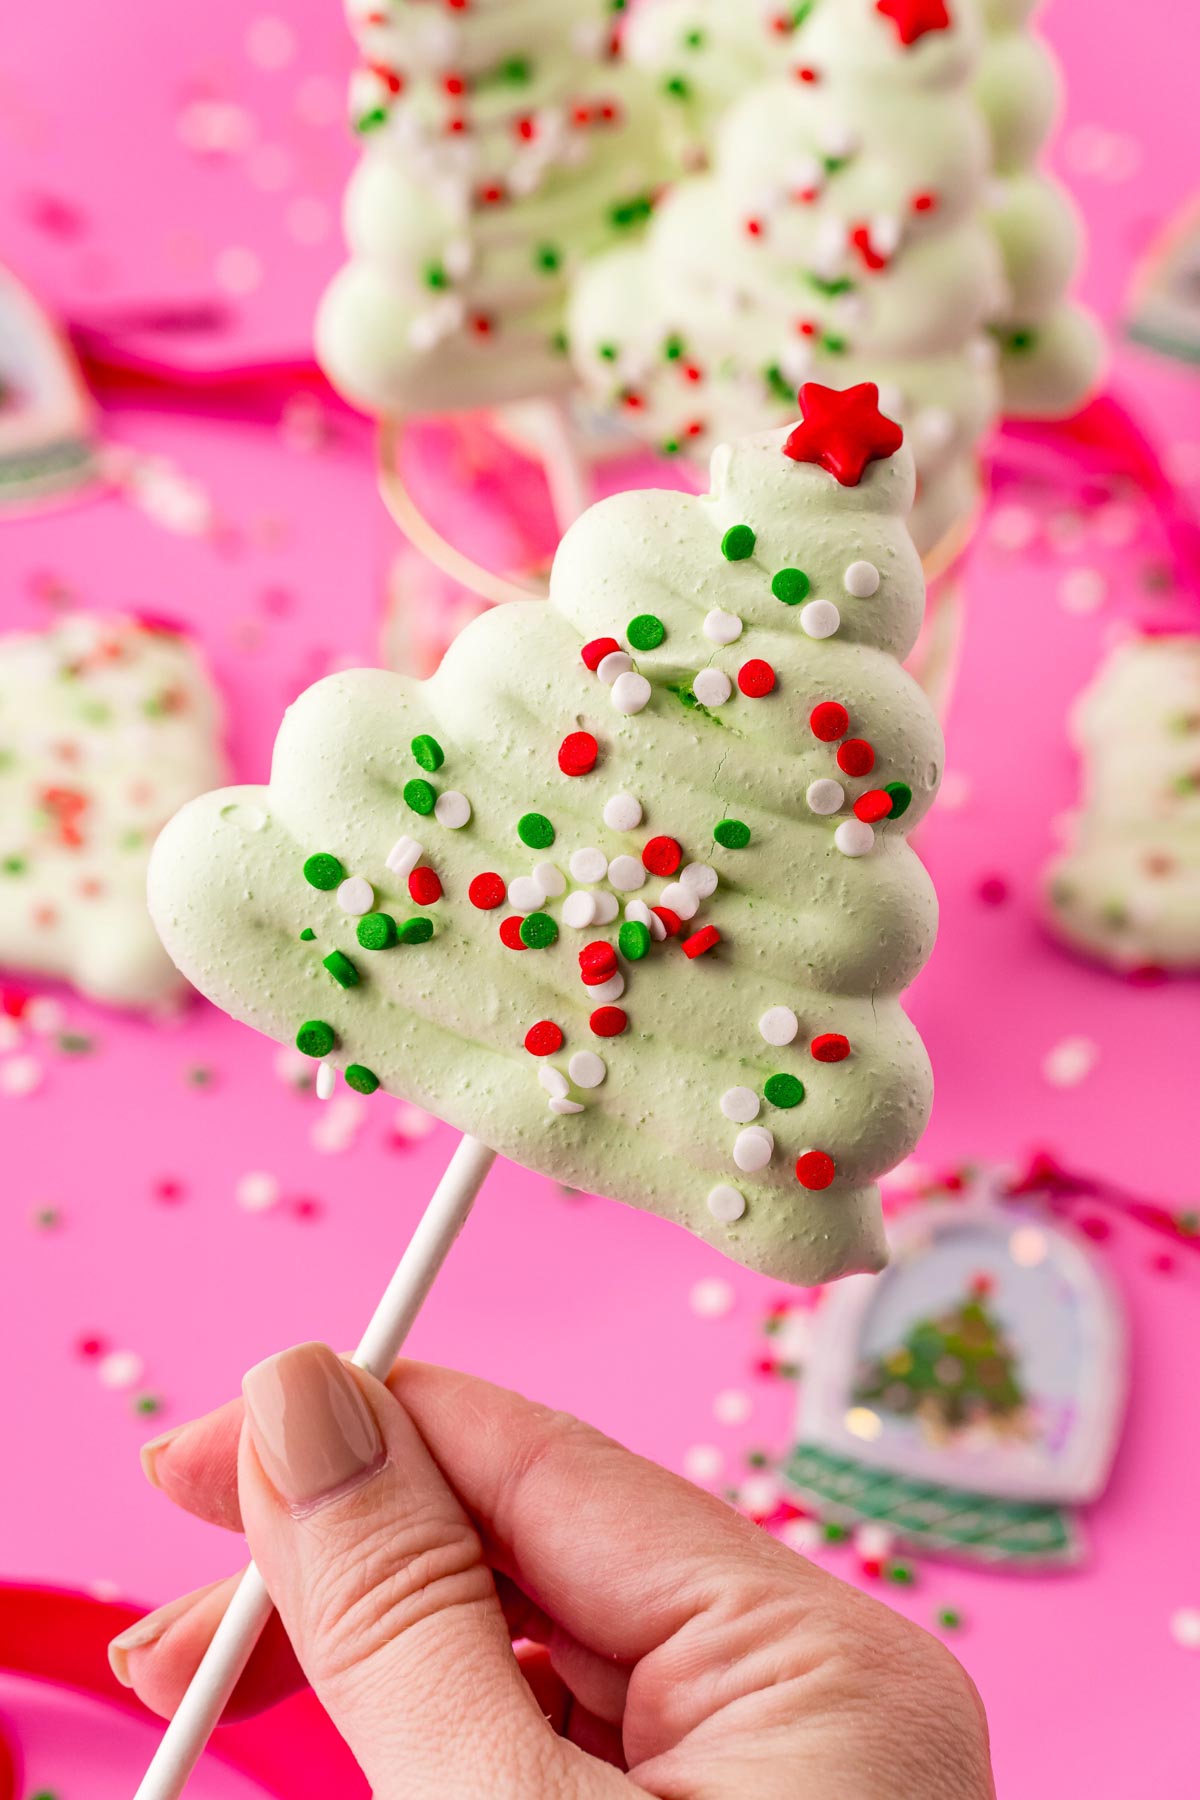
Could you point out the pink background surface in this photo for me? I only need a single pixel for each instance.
(587, 1305)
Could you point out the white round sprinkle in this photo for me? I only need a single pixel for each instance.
(722, 627)
(627, 874)
(550, 879)
(778, 1025)
(565, 1106)
(820, 619)
(589, 864)
(404, 856)
(606, 908)
(587, 1069)
(741, 1104)
(826, 797)
(607, 991)
(1185, 1627)
(257, 1191)
(622, 813)
(753, 1148)
(854, 837)
(658, 930)
(682, 900)
(711, 1298)
(356, 895)
(524, 894)
(554, 1082)
(631, 693)
(703, 1462)
(326, 1080)
(638, 913)
(701, 878)
(120, 1369)
(712, 687)
(732, 1407)
(861, 579)
(579, 910)
(725, 1203)
(614, 664)
(452, 810)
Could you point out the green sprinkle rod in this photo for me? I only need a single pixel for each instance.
(199, 1712)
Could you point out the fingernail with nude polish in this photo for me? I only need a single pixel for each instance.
(145, 1631)
(151, 1452)
(314, 1433)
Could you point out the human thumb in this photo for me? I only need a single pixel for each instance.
(381, 1583)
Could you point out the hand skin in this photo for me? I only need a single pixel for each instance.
(681, 1652)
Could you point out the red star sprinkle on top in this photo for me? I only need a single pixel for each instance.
(842, 431)
(913, 18)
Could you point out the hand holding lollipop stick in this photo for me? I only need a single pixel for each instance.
(651, 907)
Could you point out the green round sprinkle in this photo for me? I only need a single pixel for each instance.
(315, 1038)
(538, 931)
(677, 87)
(607, 352)
(738, 543)
(363, 1081)
(833, 1533)
(645, 632)
(147, 1404)
(342, 969)
(949, 1618)
(673, 348)
(415, 931)
(376, 931)
(421, 796)
(634, 940)
(732, 834)
(784, 1090)
(535, 830)
(14, 865)
(307, 935)
(436, 276)
(901, 1573)
(428, 752)
(324, 871)
(791, 586)
(901, 797)
(547, 258)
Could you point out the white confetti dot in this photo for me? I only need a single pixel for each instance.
(732, 1407)
(725, 1203)
(681, 900)
(606, 908)
(404, 856)
(257, 1191)
(1185, 1627)
(626, 874)
(820, 619)
(638, 913)
(861, 579)
(579, 910)
(524, 894)
(826, 797)
(20, 1076)
(607, 991)
(120, 1369)
(631, 693)
(588, 864)
(564, 1107)
(703, 1462)
(326, 1080)
(722, 627)
(554, 1082)
(611, 666)
(854, 837)
(453, 810)
(550, 879)
(356, 896)
(753, 1148)
(44, 1015)
(779, 1026)
(874, 1540)
(759, 1495)
(713, 1297)
(1082, 590)
(741, 1104)
(587, 1070)
(270, 43)
(10, 1034)
(1070, 1062)
(701, 877)
(622, 813)
(802, 1535)
(712, 687)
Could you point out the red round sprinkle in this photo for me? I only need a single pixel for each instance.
(662, 855)
(830, 1047)
(924, 203)
(829, 721)
(756, 678)
(577, 753)
(705, 939)
(594, 653)
(487, 892)
(544, 1038)
(608, 1021)
(597, 962)
(856, 757)
(815, 1170)
(670, 919)
(510, 932)
(873, 806)
(424, 886)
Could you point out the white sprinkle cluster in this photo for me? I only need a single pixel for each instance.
(683, 901)
(616, 663)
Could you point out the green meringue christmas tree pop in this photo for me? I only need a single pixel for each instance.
(624, 891)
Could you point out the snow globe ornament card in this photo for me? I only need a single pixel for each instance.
(970, 1396)
(47, 433)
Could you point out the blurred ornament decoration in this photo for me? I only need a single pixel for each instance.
(1164, 306)
(47, 421)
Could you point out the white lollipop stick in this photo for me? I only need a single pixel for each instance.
(199, 1712)
(565, 474)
